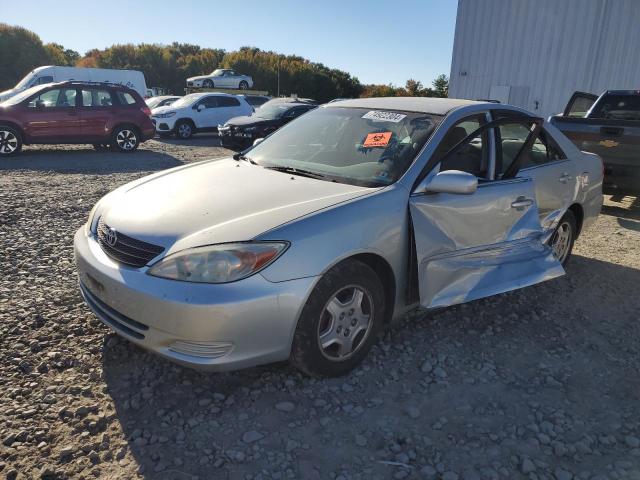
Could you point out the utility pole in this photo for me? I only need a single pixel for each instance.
(278, 76)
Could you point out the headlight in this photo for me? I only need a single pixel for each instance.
(89, 224)
(221, 263)
(164, 115)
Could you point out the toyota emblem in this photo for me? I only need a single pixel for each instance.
(111, 237)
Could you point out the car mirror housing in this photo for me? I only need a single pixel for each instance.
(200, 108)
(449, 181)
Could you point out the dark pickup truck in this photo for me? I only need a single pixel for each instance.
(608, 125)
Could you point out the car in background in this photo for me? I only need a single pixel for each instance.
(221, 78)
(161, 101)
(608, 125)
(198, 112)
(133, 79)
(241, 132)
(309, 244)
(256, 100)
(105, 115)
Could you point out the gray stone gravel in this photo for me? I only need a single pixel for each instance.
(541, 383)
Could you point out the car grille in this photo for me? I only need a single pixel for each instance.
(189, 84)
(127, 250)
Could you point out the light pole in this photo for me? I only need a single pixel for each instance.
(278, 76)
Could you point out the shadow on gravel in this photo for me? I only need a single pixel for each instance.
(198, 140)
(89, 161)
(179, 423)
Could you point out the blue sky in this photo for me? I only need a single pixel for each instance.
(377, 41)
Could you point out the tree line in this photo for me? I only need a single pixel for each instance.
(168, 67)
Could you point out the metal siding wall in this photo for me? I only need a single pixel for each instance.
(553, 47)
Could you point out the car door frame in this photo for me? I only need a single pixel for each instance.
(575, 96)
(478, 271)
(201, 123)
(96, 130)
(69, 119)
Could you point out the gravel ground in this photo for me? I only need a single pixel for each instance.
(542, 383)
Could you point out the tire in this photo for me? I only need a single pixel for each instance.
(207, 84)
(184, 129)
(347, 335)
(563, 237)
(243, 85)
(10, 141)
(125, 139)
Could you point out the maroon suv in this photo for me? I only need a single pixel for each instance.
(75, 112)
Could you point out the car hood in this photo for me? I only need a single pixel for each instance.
(246, 121)
(217, 201)
(200, 77)
(163, 109)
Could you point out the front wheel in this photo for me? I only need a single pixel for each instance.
(207, 84)
(10, 141)
(340, 321)
(244, 85)
(125, 139)
(563, 238)
(184, 130)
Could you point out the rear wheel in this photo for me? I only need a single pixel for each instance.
(184, 129)
(10, 141)
(244, 85)
(125, 139)
(563, 238)
(340, 321)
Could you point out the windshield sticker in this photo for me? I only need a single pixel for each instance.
(378, 139)
(380, 116)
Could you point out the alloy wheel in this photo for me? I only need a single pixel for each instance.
(184, 130)
(8, 142)
(345, 323)
(126, 140)
(561, 241)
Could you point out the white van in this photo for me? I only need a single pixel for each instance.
(130, 78)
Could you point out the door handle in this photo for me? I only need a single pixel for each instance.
(564, 178)
(521, 202)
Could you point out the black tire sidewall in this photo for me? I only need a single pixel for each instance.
(207, 84)
(17, 135)
(177, 128)
(243, 85)
(306, 352)
(114, 142)
(570, 218)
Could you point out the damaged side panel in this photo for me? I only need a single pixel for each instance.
(474, 246)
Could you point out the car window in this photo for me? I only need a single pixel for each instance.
(43, 80)
(209, 102)
(228, 102)
(618, 107)
(512, 137)
(543, 150)
(58, 97)
(96, 98)
(125, 98)
(474, 156)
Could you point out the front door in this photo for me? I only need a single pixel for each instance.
(476, 245)
(207, 113)
(53, 116)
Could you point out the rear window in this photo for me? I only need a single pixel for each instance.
(618, 107)
(126, 98)
(228, 102)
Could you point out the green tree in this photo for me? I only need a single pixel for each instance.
(58, 55)
(20, 52)
(441, 86)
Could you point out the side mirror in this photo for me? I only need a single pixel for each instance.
(258, 141)
(450, 181)
(200, 107)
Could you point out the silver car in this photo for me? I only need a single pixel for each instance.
(307, 245)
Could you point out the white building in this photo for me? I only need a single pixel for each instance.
(536, 53)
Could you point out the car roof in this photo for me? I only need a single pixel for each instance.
(434, 106)
(208, 94)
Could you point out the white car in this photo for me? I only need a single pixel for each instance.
(198, 112)
(221, 78)
(161, 101)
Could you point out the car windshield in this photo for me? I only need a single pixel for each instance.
(186, 100)
(155, 101)
(22, 95)
(25, 81)
(349, 145)
(271, 112)
(217, 73)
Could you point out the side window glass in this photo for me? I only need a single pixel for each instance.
(125, 98)
(45, 79)
(210, 102)
(512, 136)
(65, 97)
(543, 151)
(472, 157)
(96, 98)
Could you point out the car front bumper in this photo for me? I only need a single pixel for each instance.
(163, 125)
(212, 327)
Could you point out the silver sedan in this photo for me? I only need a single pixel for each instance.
(308, 244)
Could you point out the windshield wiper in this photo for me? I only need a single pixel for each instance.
(297, 171)
(241, 156)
